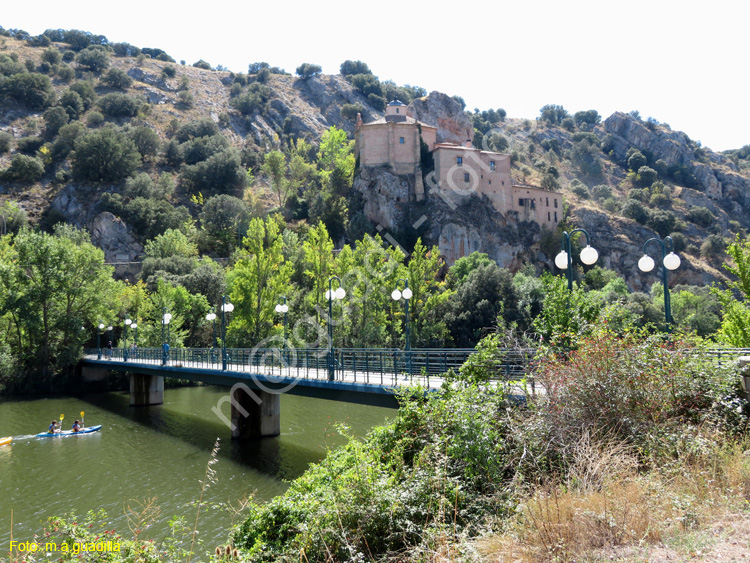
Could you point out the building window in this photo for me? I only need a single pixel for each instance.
(466, 176)
(401, 140)
(547, 202)
(555, 216)
(533, 204)
(555, 208)
(492, 165)
(397, 110)
(548, 217)
(520, 202)
(490, 182)
(459, 161)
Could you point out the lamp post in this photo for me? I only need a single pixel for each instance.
(283, 308)
(396, 295)
(165, 319)
(212, 317)
(669, 262)
(226, 307)
(109, 345)
(564, 259)
(134, 326)
(98, 340)
(338, 294)
(128, 322)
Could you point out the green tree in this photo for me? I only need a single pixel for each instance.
(30, 89)
(94, 58)
(105, 155)
(465, 265)
(319, 264)
(274, 167)
(118, 104)
(428, 294)
(53, 285)
(566, 316)
(307, 70)
(117, 78)
(735, 298)
(260, 276)
(24, 169)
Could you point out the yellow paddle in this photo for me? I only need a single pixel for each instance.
(81, 419)
(61, 419)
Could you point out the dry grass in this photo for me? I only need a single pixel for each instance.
(605, 511)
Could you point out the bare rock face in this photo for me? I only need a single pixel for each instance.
(675, 148)
(113, 236)
(386, 196)
(445, 113)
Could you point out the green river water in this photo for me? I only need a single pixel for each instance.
(158, 451)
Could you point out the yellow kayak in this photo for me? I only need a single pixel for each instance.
(5, 441)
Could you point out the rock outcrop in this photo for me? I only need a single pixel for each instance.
(113, 236)
(445, 113)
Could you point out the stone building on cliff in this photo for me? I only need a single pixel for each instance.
(398, 140)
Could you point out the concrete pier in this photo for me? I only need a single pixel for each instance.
(146, 390)
(255, 413)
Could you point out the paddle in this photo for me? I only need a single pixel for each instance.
(61, 419)
(81, 419)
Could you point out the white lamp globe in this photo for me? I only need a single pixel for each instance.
(407, 293)
(395, 295)
(671, 261)
(277, 309)
(646, 263)
(210, 316)
(167, 318)
(561, 260)
(134, 325)
(128, 322)
(228, 307)
(101, 326)
(329, 294)
(284, 308)
(109, 328)
(589, 255)
(340, 293)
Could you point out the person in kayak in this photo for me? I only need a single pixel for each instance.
(53, 428)
(76, 426)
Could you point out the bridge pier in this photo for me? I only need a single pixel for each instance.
(255, 413)
(146, 390)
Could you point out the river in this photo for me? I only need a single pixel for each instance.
(156, 452)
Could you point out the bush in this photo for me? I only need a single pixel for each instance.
(94, 119)
(117, 78)
(185, 99)
(663, 222)
(350, 111)
(105, 155)
(29, 145)
(579, 188)
(5, 141)
(349, 68)
(701, 216)
(202, 64)
(85, 89)
(220, 173)
(152, 217)
(647, 176)
(94, 58)
(31, 89)
(24, 169)
(66, 138)
(168, 72)
(713, 247)
(65, 73)
(307, 70)
(140, 185)
(601, 192)
(633, 209)
(118, 104)
(52, 56)
(54, 118)
(72, 103)
(146, 140)
(679, 241)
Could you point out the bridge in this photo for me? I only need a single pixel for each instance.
(257, 377)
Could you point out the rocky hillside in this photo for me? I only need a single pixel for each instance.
(625, 179)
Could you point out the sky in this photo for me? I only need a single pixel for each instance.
(681, 62)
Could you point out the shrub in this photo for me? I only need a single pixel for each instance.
(105, 155)
(202, 64)
(713, 247)
(185, 99)
(663, 222)
(701, 216)
(350, 111)
(66, 138)
(579, 188)
(54, 118)
(118, 104)
(52, 56)
(29, 145)
(94, 119)
(5, 141)
(568, 124)
(140, 185)
(633, 209)
(307, 70)
(85, 89)
(94, 58)
(601, 192)
(65, 73)
(31, 89)
(636, 160)
(349, 68)
(117, 78)
(220, 173)
(647, 176)
(679, 241)
(152, 217)
(146, 140)
(72, 103)
(24, 169)
(168, 72)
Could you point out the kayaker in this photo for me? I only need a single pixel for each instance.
(76, 426)
(53, 428)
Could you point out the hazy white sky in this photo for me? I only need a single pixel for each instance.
(681, 62)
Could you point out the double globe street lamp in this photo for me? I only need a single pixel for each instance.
(211, 317)
(128, 322)
(226, 307)
(669, 262)
(99, 341)
(283, 308)
(406, 294)
(165, 320)
(337, 294)
(564, 259)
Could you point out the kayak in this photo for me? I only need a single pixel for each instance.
(88, 430)
(5, 441)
